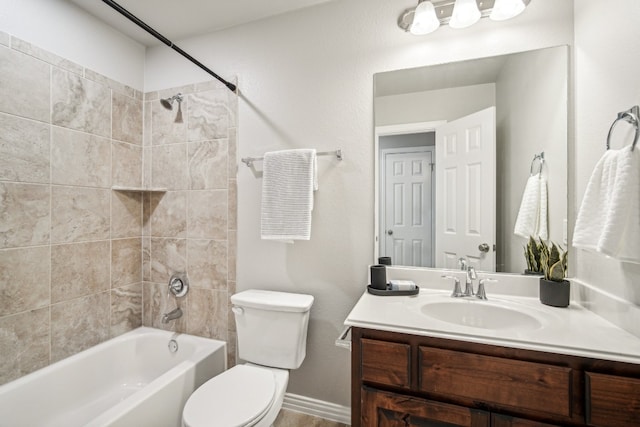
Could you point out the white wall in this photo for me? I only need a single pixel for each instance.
(62, 28)
(532, 111)
(607, 67)
(306, 80)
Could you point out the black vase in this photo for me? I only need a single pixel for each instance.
(555, 294)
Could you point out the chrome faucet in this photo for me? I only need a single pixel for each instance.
(172, 315)
(471, 276)
(481, 292)
(457, 292)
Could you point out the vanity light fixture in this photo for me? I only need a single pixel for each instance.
(428, 15)
(465, 14)
(507, 9)
(425, 20)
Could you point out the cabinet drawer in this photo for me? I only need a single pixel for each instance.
(391, 409)
(612, 400)
(494, 380)
(386, 362)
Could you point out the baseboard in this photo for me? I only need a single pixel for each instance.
(317, 408)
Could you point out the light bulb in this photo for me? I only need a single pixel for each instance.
(425, 20)
(465, 13)
(506, 9)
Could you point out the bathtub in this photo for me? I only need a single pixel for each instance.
(133, 380)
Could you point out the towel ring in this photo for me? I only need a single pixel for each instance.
(629, 116)
(540, 158)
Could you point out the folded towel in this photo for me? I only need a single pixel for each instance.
(532, 216)
(288, 181)
(609, 217)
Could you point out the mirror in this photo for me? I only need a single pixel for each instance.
(422, 201)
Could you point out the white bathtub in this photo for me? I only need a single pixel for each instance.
(133, 380)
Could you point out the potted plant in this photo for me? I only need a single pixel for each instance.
(554, 289)
(532, 252)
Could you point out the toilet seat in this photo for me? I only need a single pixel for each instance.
(237, 397)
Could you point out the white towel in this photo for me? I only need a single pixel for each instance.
(609, 217)
(532, 216)
(288, 182)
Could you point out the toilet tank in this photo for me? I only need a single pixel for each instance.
(272, 327)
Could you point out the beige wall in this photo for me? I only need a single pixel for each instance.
(70, 248)
(81, 263)
(192, 226)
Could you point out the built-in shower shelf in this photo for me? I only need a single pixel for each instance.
(140, 189)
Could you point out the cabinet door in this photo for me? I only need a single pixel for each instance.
(612, 401)
(383, 409)
(499, 420)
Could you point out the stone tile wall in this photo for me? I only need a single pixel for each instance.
(79, 262)
(70, 247)
(192, 226)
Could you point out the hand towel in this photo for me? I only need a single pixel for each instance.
(543, 222)
(532, 216)
(288, 182)
(609, 217)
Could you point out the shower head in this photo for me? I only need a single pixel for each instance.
(168, 102)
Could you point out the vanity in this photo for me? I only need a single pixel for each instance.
(433, 360)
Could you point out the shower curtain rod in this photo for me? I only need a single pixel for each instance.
(166, 41)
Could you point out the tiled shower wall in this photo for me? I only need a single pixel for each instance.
(191, 152)
(72, 253)
(70, 248)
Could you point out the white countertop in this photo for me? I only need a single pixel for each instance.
(572, 330)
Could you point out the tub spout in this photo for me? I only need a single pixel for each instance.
(172, 315)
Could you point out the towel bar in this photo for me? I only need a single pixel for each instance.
(632, 116)
(249, 160)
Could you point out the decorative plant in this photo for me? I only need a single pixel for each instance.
(554, 263)
(532, 253)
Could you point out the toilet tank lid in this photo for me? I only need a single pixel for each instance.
(273, 300)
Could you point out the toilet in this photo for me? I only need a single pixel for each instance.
(272, 339)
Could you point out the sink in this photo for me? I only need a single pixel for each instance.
(480, 314)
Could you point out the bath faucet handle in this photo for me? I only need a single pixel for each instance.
(457, 292)
(179, 285)
(482, 294)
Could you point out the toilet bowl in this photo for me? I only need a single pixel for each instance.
(245, 395)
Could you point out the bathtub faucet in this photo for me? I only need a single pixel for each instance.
(172, 315)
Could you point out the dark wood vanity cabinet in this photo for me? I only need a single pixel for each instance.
(408, 380)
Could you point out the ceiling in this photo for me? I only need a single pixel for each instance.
(179, 19)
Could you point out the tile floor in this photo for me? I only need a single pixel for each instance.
(296, 419)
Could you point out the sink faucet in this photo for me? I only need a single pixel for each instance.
(457, 292)
(481, 292)
(172, 315)
(471, 276)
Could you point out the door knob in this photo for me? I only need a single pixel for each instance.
(483, 247)
(390, 232)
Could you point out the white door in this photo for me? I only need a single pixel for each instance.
(407, 223)
(465, 191)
